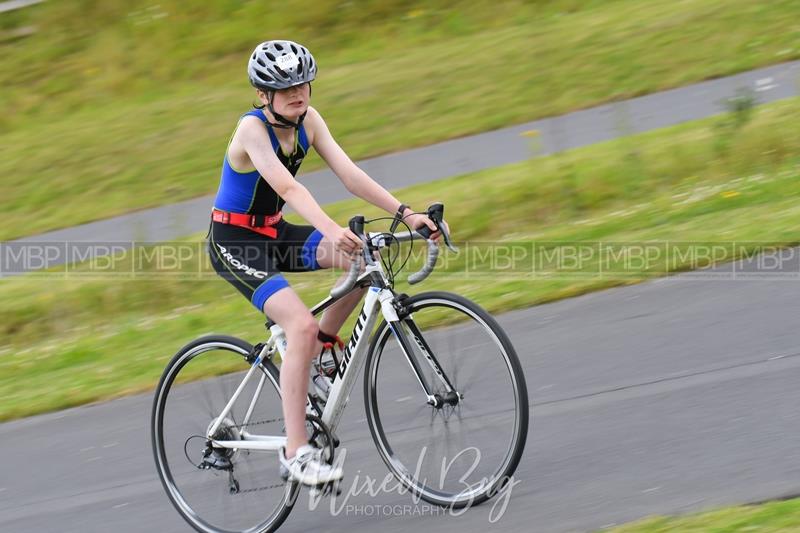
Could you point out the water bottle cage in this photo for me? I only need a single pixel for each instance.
(328, 368)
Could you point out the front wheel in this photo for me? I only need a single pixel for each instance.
(461, 444)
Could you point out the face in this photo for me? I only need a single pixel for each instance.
(291, 102)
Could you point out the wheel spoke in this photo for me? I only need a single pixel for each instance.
(455, 372)
(207, 400)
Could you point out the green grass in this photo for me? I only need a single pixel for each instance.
(68, 341)
(769, 517)
(116, 106)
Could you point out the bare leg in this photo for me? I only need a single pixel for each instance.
(291, 314)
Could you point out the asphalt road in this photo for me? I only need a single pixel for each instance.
(665, 397)
(449, 158)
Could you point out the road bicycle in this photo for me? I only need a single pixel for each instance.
(444, 392)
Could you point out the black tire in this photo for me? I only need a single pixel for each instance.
(166, 457)
(396, 388)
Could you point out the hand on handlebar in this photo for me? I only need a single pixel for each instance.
(347, 242)
(419, 220)
(437, 234)
(436, 216)
(429, 226)
(443, 231)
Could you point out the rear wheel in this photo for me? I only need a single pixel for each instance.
(460, 446)
(219, 489)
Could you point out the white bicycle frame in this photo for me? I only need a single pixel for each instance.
(377, 299)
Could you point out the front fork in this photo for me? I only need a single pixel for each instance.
(398, 316)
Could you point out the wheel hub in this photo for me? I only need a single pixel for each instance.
(451, 398)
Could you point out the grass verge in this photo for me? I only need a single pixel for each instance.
(113, 106)
(765, 518)
(701, 182)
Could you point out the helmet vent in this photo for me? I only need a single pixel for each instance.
(270, 57)
(278, 46)
(282, 73)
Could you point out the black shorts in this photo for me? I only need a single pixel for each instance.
(253, 263)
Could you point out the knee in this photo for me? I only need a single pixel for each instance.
(310, 328)
(304, 330)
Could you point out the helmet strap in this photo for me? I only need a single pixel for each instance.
(285, 123)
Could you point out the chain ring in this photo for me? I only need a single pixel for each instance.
(321, 437)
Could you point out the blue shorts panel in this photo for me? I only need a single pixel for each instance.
(267, 289)
(309, 251)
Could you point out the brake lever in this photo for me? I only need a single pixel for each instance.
(446, 236)
(426, 232)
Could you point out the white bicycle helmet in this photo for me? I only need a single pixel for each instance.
(278, 65)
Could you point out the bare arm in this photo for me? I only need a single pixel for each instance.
(356, 180)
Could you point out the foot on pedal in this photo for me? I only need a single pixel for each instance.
(307, 467)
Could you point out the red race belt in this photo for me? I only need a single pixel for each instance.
(263, 224)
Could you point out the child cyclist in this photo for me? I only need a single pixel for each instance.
(250, 244)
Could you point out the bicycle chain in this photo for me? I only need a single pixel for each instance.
(240, 426)
(258, 489)
(266, 487)
(260, 422)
